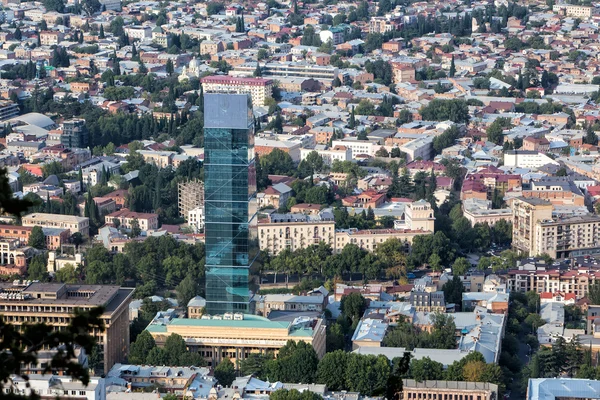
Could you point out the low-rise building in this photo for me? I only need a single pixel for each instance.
(448, 390)
(70, 222)
(236, 336)
(146, 221)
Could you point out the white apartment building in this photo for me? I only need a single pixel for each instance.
(573, 10)
(526, 159)
(138, 32)
(340, 153)
(258, 88)
(358, 147)
(421, 147)
(195, 218)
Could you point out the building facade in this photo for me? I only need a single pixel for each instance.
(75, 134)
(229, 202)
(190, 196)
(448, 390)
(70, 222)
(54, 304)
(236, 335)
(258, 88)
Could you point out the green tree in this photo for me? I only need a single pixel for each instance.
(426, 369)
(135, 228)
(37, 270)
(332, 370)
(67, 274)
(139, 350)
(293, 394)
(452, 68)
(225, 372)
(461, 266)
(255, 364)
(296, 362)
(37, 239)
(353, 306)
(453, 290)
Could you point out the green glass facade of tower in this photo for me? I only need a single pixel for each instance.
(229, 201)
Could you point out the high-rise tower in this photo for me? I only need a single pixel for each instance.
(229, 201)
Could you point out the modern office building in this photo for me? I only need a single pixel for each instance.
(54, 304)
(229, 201)
(75, 134)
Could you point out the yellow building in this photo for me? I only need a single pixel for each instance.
(448, 390)
(295, 231)
(236, 336)
(54, 304)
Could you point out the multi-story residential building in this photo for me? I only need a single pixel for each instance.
(340, 153)
(335, 34)
(138, 32)
(236, 335)
(448, 390)
(190, 196)
(427, 301)
(480, 212)
(275, 196)
(536, 231)
(525, 214)
(183, 382)
(526, 159)
(54, 303)
(573, 10)
(403, 73)
(295, 231)
(229, 201)
(51, 38)
(146, 221)
(258, 88)
(75, 134)
(541, 278)
(302, 70)
(419, 148)
(70, 222)
(358, 147)
(161, 159)
(8, 109)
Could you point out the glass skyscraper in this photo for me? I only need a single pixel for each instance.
(229, 201)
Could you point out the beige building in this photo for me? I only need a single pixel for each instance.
(54, 304)
(536, 231)
(190, 196)
(291, 302)
(236, 336)
(125, 217)
(161, 159)
(448, 390)
(73, 223)
(573, 10)
(258, 88)
(295, 231)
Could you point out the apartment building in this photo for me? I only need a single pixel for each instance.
(51, 38)
(403, 73)
(358, 147)
(295, 231)
(526, 159)
(125, 217)
(291, 302)
(300, 70)
(8, 109)
(258, 88)
(75, 134)
(525, 214)
(492, 180)
(557, 190)
(70, 222)
(236, 335)
(340, 153)
(448, 390)
(536, 231)
(573, 10)
(54, 303)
